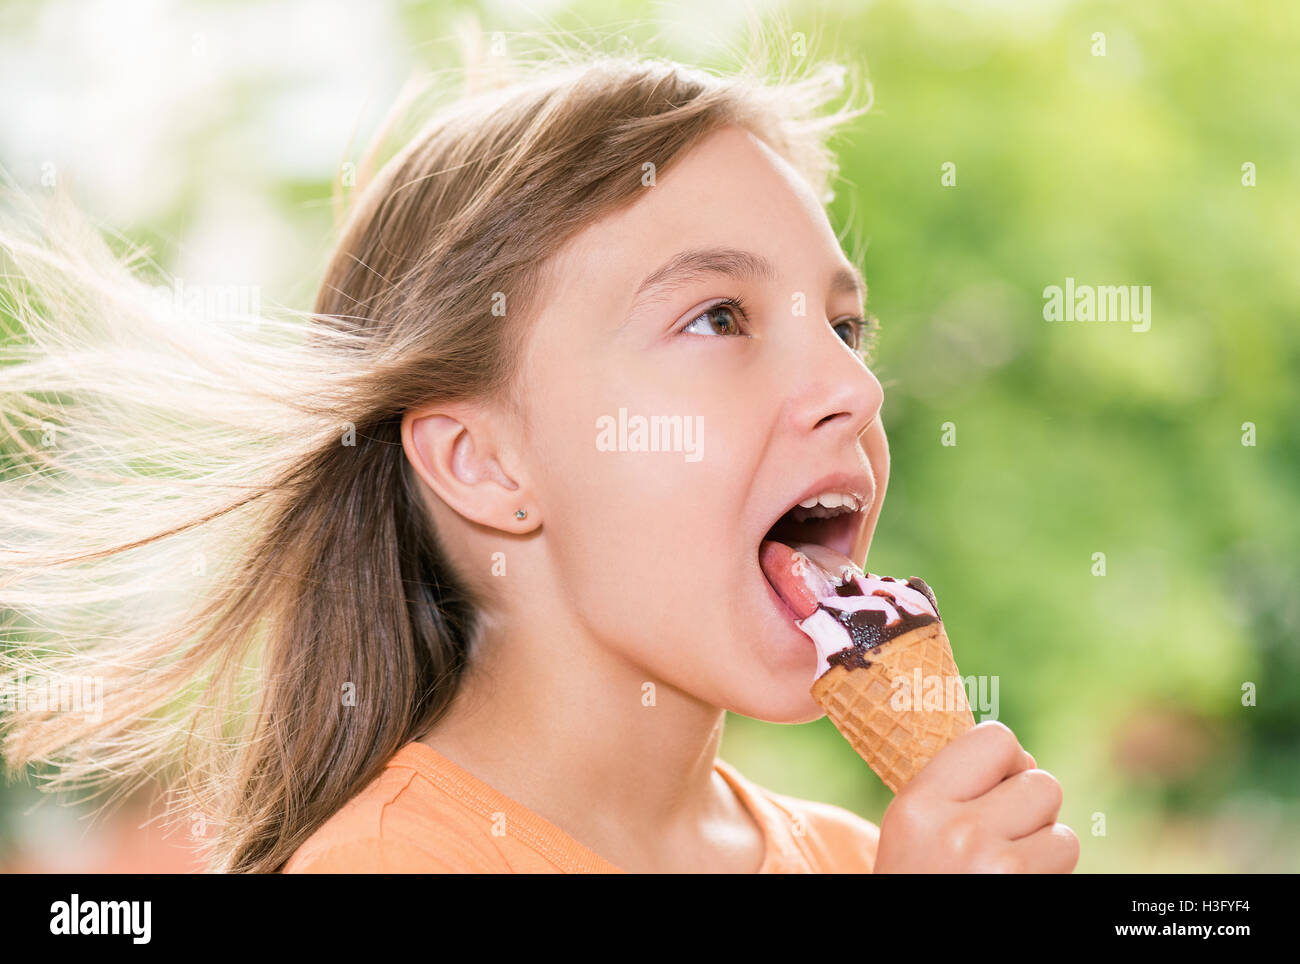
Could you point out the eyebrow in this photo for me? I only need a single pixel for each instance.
(692, 265)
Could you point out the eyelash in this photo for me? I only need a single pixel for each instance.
(864, 329)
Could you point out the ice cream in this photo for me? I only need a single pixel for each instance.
(874, 637)
(839, 606)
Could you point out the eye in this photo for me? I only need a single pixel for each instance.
(858, 333)
(724, 315)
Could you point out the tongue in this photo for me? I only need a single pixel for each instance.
(802, 574)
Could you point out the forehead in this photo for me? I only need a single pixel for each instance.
(730, 190)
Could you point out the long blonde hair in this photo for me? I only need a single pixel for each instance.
(215, 517)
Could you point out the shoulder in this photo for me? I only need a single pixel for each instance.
(399, 823)
(838, 840)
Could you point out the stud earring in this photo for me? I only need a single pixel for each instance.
(521, 514)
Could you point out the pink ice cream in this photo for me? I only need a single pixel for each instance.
(844, 611)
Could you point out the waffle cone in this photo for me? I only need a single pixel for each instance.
(897, 742)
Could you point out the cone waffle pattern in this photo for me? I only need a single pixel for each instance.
(896, 743)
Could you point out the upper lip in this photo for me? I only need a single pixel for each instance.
(859, 484)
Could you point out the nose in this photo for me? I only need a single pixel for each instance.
(839, 392)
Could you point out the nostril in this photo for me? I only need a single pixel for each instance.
(831, 418)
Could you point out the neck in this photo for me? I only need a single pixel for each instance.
(581, 736)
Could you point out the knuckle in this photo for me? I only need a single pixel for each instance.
(1071, 844)
(959, 834)
(1001, 736)
(996, 729)
(1009, 864)
(1000, 863)
(1045, 784)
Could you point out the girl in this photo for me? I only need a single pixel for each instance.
(455, 612)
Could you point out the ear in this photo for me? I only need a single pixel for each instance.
(458, 453)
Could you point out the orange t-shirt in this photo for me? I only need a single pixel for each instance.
(425, 814)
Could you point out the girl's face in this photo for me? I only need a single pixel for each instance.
(765, 403)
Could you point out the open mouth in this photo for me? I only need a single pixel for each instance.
(830, 513)
(836, 528)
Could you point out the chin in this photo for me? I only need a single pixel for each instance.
(793, 706)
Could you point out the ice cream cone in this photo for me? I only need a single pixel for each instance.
(897, 732)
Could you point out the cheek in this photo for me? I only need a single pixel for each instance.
(650, 547)
(619, 508)
(642, 543)
(639, 546)
(876, 447)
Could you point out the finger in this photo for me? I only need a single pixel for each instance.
(974, 763)
(1049, 850)
(1022, 804)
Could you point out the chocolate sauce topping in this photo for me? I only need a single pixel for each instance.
(919, 584)
(850, 588)
(867, 628)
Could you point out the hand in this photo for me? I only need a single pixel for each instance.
(980, 806)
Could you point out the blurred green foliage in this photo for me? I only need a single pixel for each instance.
(1071, 439)
(1074, 439)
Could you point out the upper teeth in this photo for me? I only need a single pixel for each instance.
(831, 500)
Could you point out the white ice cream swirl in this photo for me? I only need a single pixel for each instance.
(828, 634)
